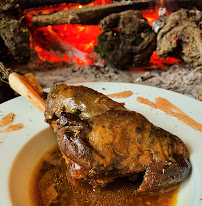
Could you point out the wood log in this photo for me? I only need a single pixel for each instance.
(88, 15)
(181, 37)
(25, 4)
(131, 46)
(15, 35)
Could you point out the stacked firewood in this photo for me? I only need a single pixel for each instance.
(14, 34)
(180, 36)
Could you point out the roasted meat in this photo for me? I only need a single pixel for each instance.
(101, 140)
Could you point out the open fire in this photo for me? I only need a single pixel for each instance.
(74, 43)
(118, 33)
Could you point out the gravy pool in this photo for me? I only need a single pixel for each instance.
(50, 187)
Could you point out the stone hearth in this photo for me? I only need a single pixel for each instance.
(181, 78)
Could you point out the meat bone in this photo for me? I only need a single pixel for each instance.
(29, 88)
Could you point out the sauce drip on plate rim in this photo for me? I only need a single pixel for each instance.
(163, 105)
(172, 110)
(7, 120)
(120, 95)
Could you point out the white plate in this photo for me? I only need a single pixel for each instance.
(22, 149)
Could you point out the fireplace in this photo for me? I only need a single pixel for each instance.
(97, 40)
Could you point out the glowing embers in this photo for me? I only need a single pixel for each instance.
(75, 43)
(157, 63)
(162, 63)
(66, 43)
(150, 15)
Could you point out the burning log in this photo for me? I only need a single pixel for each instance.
(182, 37)
(127, 40)
(25, 4)
(88, 15)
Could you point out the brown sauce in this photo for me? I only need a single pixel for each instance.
(50, 187)
(169, 108)
(8, 119)
(12, 128)
(120, 95)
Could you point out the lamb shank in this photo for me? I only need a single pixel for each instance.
(101, 140)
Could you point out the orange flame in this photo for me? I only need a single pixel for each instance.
(150, 15)
(162, 63)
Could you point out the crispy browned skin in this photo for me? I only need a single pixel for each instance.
(101, 140)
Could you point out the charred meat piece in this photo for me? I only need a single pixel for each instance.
(101, 140)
